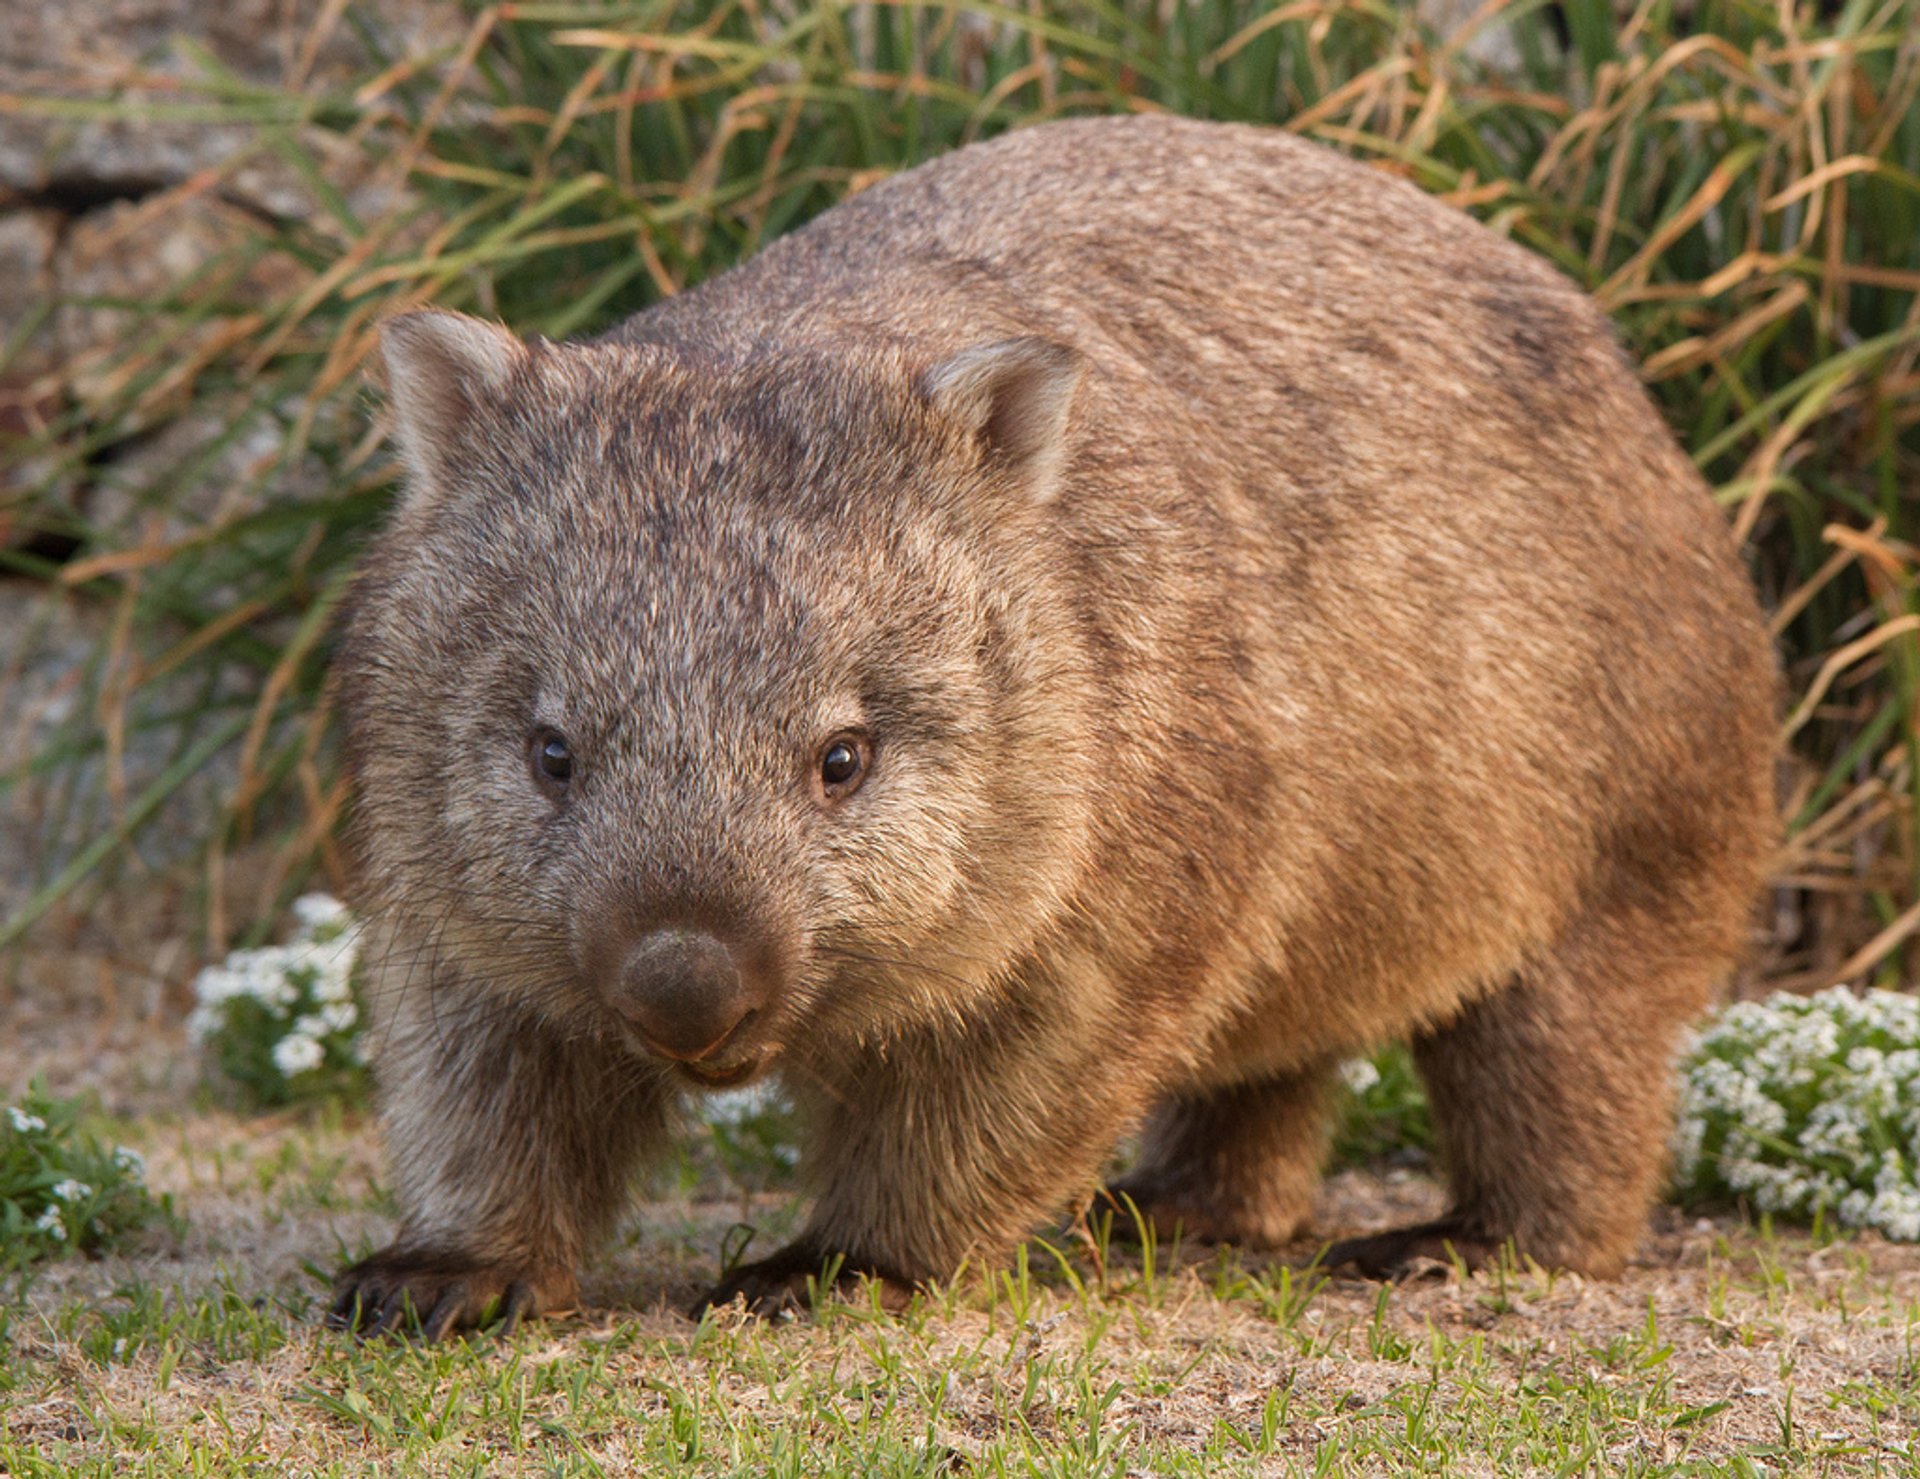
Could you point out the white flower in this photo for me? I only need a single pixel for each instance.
(1796, 1094)
(217, 983)
(324, 967)
(130, 1160)
(260, 974)
(1835, 1128)
(333, 979)
(24, 1123)
(204, 1021)
(1360, 1074)
(297, 1053)
(339, 1016)
(70, 1190)
(268, 974)
(317, 911)
(737, 1106)
(49, 1222)
(1689, 1135)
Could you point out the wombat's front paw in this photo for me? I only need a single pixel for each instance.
(777, 1285)
(1403, 1251)
(445, 1292)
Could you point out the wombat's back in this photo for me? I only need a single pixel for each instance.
(1367, 503)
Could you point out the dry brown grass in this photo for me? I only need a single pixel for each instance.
(1739, 184)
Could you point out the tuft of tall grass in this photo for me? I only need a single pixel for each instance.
(1738, 183)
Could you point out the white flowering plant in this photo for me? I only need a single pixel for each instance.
(755, 1134)
(1384, 1109)
(1804, 1107)
(61, 1190)
(283, 1023)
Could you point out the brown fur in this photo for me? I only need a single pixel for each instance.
(1299, 631)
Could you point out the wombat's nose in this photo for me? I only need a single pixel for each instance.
(682, 991)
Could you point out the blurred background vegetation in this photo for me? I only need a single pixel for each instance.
(184, 483)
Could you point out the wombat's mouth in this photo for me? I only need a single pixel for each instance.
(727, 1067)
(710, 1075)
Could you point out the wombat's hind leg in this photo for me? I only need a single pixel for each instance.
(1403, 1250)
(1551, 1102)
(1234, 1165)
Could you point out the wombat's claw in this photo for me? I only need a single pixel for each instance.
(1406, 1252)
(1124, 1207)
(380, 1294)
(776, 1286)
(763, 1299)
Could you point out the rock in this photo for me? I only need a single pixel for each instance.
(31, 391)
(28, 240)
(105, 48)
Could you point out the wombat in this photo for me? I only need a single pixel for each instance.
(1087, 635)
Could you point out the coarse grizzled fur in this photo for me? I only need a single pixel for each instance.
(1272, 619)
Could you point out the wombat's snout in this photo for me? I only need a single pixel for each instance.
(682, 992)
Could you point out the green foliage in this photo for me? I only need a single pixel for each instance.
(61, 1190)
(755, 1134)
(1739, 184)
(1384, 1110)
(1227, 1367)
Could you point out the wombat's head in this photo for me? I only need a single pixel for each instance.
(722, 705)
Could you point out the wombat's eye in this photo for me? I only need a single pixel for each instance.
(552, 758)
(843, 765)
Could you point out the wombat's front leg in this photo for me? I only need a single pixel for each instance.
(511, 1151)
(943, 1151)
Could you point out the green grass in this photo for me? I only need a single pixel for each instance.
(1068, 1363)
(1738, 184)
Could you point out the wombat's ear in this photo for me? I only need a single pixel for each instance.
(1014, 395)
(441, 368)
